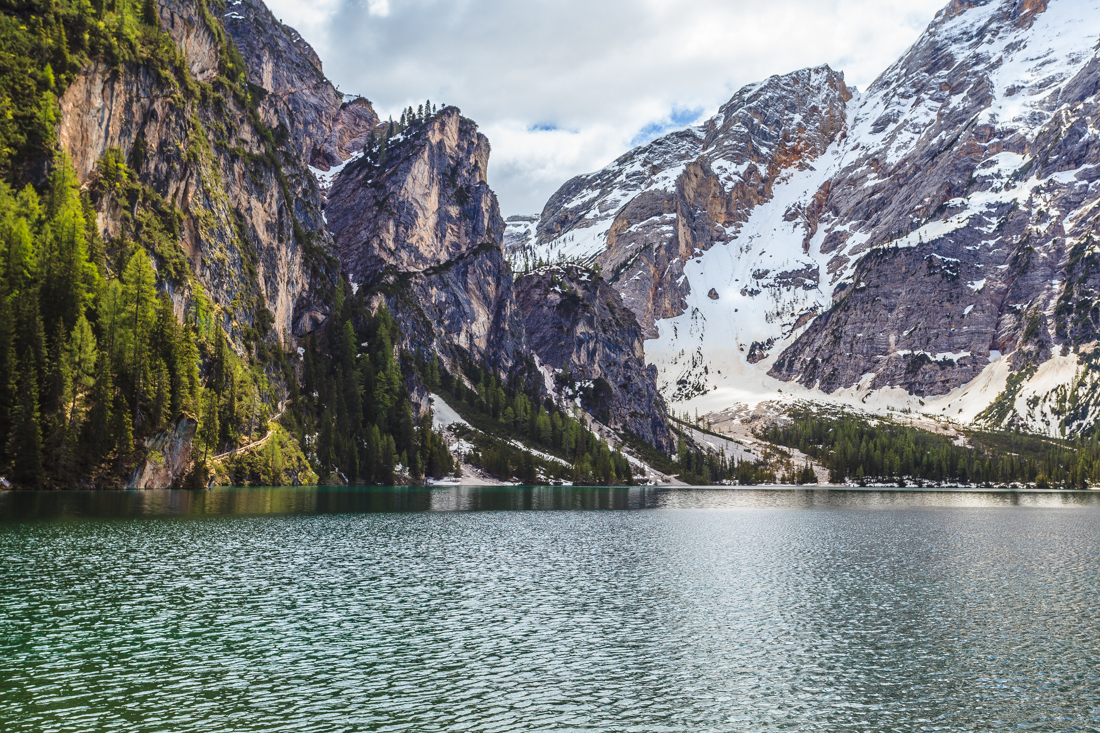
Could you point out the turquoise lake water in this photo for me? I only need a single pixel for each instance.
(549, 609)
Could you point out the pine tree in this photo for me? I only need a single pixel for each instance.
(208, 427)
(388, 461)
(122, 431)
(80, 360)
(372, 472)
(25, 440)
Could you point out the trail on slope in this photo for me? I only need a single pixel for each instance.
(256, 443)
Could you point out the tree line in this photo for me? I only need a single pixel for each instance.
(855, 449)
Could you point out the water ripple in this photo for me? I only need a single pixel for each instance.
(871, 614)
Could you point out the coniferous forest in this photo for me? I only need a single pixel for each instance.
(857, 450)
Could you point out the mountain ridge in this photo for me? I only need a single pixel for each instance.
(989, 114)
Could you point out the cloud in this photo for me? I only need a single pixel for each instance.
(563, 87)
(381, 8)
(676, 119)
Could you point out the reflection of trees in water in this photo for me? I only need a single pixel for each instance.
(368, 500)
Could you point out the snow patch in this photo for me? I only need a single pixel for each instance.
(325, 178)
(443, 415)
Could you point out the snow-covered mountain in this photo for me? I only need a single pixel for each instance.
(927, 244)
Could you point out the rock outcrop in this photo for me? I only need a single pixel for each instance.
(578, 325)
(167, 457)
(414, 218)
(237, 171)
(299, 103)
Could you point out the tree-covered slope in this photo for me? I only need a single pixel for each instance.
(152, 240)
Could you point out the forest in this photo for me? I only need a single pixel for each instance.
(508, 419)
(855, 449)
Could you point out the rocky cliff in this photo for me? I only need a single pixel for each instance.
(228, 150)
(298, 103)
(413, 217)
(923, 245)
(578, 325)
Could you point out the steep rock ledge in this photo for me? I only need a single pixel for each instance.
(239, 176)
(414, 218)
(577, 323)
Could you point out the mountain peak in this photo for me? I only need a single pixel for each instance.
(850, 225)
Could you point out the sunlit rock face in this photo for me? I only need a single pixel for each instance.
(899, 240)
(421, 220)
(246, 214)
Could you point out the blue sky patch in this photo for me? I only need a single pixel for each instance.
(679, 117)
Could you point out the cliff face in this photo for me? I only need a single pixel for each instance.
(236, 170)
(299, 103)
(415, 217)
(915, 244)
(577, 324)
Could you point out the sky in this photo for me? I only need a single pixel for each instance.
(563, 87)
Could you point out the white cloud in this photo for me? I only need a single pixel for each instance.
(381, 8)
(562, 87)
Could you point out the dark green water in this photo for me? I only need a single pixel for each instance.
(493, 610)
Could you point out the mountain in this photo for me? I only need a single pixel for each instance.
(419, 220)
(217, 268)
(926, 245)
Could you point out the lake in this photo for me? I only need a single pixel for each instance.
(549, 609)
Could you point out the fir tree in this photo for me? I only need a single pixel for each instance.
(25, 440)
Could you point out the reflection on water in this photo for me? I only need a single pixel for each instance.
(355, 500)
(334, 610)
